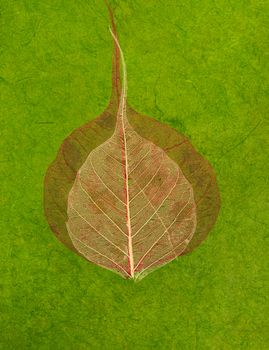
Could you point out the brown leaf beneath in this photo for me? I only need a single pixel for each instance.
(61, 173)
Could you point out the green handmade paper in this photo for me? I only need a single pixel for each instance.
(202, 68)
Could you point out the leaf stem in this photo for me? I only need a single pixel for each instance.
(116, 79)
(121, 125)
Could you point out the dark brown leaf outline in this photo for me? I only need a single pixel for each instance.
(73, 152)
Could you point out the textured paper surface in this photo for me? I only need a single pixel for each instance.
(200, 67)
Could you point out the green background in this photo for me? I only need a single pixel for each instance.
(200, 66)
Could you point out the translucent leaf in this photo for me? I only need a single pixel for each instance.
(138, 193)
